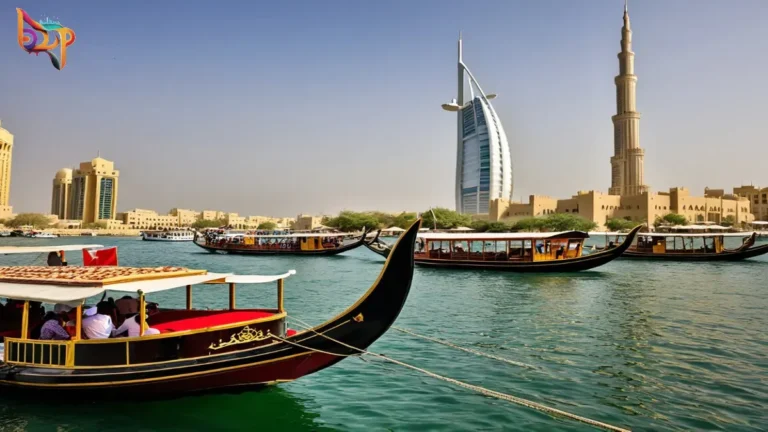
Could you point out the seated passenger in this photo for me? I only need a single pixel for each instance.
(54, 260)
(97, 323)
(132, 328)
(52, 328)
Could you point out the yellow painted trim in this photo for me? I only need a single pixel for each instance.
(79, 323)
(165, 378)
(142, 314)
(25, 321)
(280, 295)
(308, 337)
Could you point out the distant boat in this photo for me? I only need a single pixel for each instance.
(42, 235)
(88, 234)
(5, 233)
(168, 236)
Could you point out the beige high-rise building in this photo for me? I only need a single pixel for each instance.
(627, 160)
(93, 195)
(62, 184)
(6, 153)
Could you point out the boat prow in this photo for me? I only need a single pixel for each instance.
(378, 247)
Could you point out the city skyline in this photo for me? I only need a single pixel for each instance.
(161, 119)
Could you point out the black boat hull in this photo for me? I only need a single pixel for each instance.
(582, 263)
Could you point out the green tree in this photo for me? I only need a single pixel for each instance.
(555, 222)
(37, 220)
(729, 221)
(202, 224)
(617, 224)
(670, 219)
(530, 224)
(353, 221)
(497, 227)
(446, 219)
(269, 226)
(403, 220)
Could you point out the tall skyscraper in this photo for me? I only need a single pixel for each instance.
(627, 160)
(483, 160)
(62, 183)
(6, 153)
(93, 195)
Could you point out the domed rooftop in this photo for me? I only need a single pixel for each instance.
(64, 173)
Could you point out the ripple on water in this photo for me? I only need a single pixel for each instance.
(649, 346)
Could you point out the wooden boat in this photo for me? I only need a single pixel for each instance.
(694, 247)
(196, 350)
(378, 246)
(274, 244)
(514, 252)
(168, 236)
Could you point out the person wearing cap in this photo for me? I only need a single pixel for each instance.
(97, 323)
(52, 328)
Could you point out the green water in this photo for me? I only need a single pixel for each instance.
(649, 346)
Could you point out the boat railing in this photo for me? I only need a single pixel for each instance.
(46, 353)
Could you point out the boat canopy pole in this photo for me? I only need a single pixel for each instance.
(142, 312)
(25, 320)
(231, 296)
(280, 297)
(189, 297)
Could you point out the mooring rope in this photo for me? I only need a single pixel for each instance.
(471, 351)
(482, 390)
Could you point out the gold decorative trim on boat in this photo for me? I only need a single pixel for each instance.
(358, 317)
(245, 335)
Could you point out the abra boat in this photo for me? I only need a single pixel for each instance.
(378, 246)
(196, 350)
(277, 244)
(513, 252)
(693, 247)
(168, 236)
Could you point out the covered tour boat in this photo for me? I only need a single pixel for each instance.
(513, 252)
(277, 244)
(168, 236)
(692, 246)
(190, 350)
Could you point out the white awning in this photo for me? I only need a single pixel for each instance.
(498, 236)
(461, 228)
(74, 295)
(759, 223)
(5, 250)
(254, 279)
(394, 229)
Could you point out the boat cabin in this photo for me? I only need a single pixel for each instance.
(288, 242)
(163, 335)
(684, 243)
(501, 246)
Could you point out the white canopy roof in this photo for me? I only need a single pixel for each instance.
(298, 235)
(5, 250)
(674, 234)
(74, 295)
(497, 236)
(461, 228)
(394, 229)
(254, 279)
(759, 223)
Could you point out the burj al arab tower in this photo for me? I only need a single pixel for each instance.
(483, 161)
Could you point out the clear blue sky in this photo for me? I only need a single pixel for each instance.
(286, 107)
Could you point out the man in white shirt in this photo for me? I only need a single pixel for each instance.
(132, 326)
(97, 323)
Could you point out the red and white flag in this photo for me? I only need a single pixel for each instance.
(100, 257)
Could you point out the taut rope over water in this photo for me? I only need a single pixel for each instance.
(475, 388)
(471, 351)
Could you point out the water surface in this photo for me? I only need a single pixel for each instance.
(649, 346)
